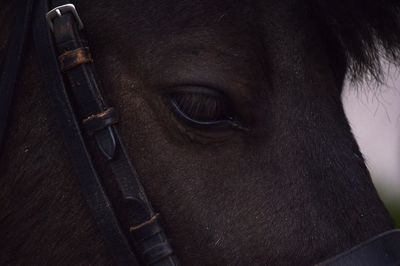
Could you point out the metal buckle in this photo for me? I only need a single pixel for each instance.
(59, 11)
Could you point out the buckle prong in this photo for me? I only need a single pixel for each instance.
(61, 10)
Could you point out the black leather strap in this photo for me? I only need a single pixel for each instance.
(91, 185)
(382, 250)
(146, 238)
(12, 61)
(114, 193)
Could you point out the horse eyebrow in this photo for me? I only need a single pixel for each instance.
(196, 43)
(206, 63)
(201, 50)
(367, 30)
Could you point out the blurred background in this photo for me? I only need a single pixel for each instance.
(373, 111)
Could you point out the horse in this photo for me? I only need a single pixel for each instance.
(280, 182)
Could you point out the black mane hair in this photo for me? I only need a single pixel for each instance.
(367, 31)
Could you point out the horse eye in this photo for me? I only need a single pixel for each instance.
(203, 108)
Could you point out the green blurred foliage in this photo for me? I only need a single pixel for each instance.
(394, 210)
(391, 200)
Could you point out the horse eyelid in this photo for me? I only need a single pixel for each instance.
(230, 122)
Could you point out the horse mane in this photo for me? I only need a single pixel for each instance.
(367, 31)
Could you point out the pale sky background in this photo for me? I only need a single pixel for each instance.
(374, 114)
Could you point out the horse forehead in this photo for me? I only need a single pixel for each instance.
(206, 24)
(161, 16)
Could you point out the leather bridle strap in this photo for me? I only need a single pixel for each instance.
(12, 61)
(382, 250)
(114, 194)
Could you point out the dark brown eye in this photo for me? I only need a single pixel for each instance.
(203, 108)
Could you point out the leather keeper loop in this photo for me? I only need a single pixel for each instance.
(157, 253)
(99, 121)
(146, 229)
(71, 59)
(151, 241)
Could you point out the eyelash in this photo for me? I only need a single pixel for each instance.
(203, 108)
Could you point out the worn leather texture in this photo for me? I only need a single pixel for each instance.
(108, 179)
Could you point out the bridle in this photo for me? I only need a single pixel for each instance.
(124, 215)
(130, 227)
